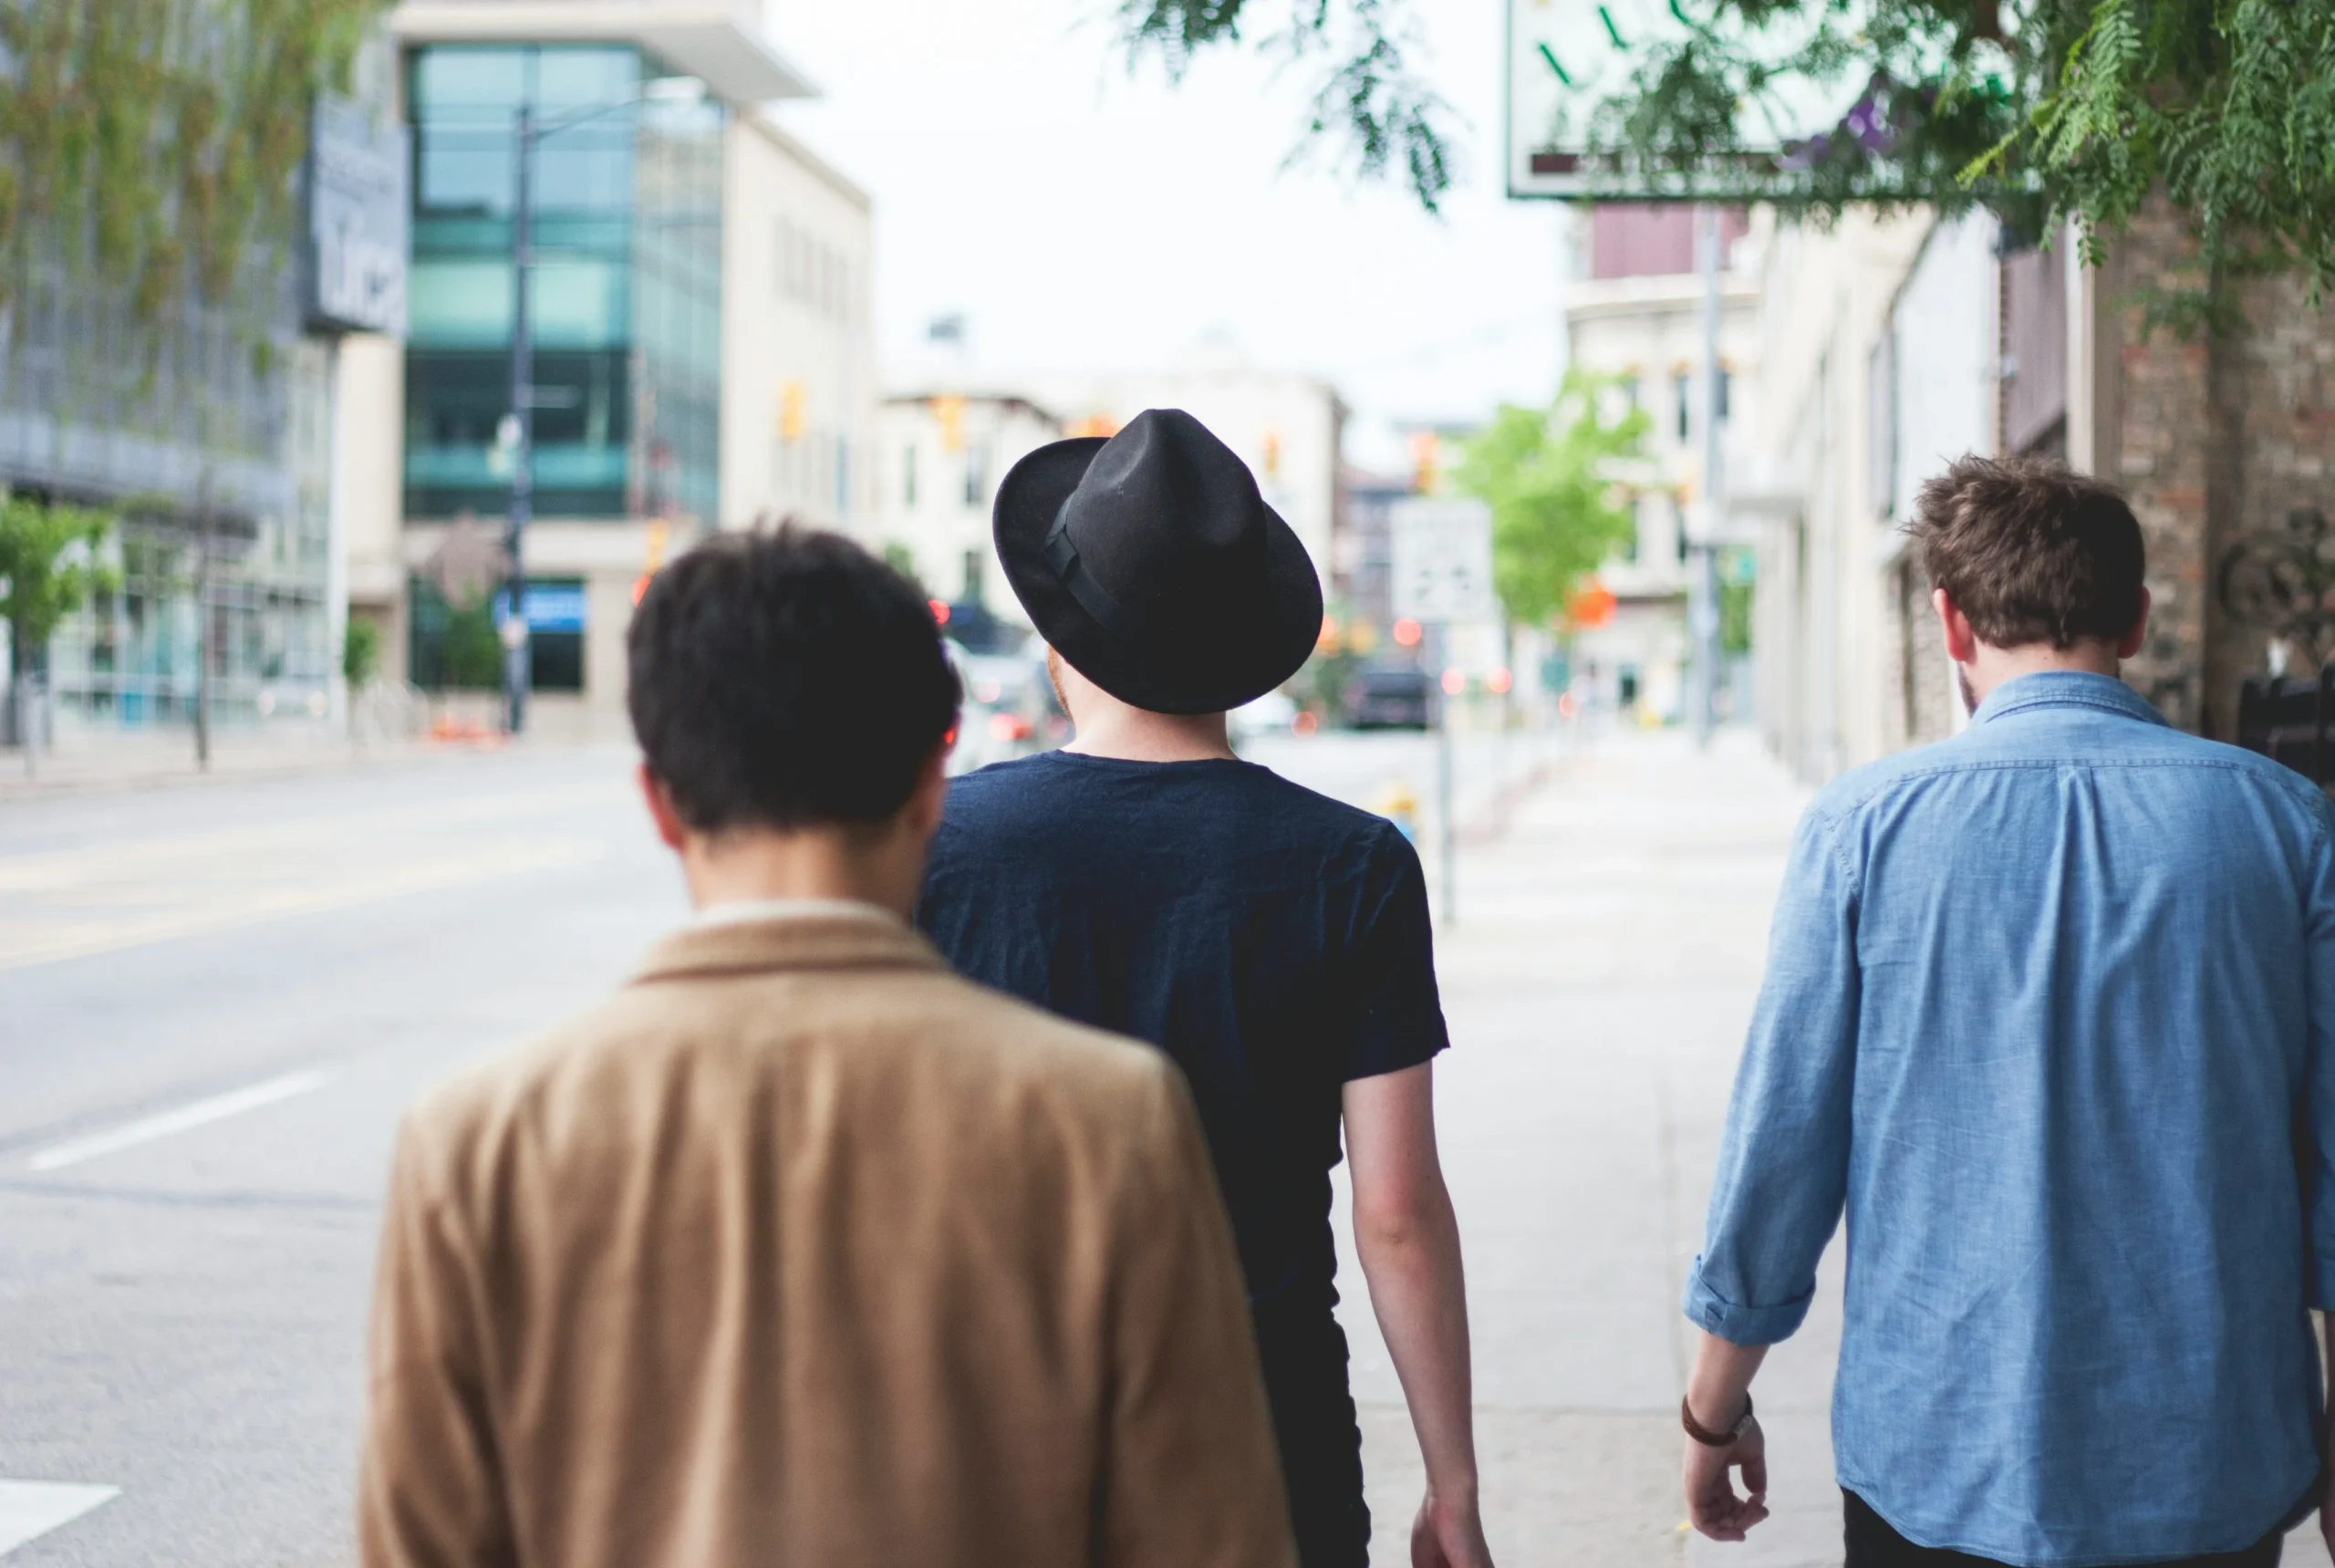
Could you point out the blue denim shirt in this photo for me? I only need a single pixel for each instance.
(2049, 1009)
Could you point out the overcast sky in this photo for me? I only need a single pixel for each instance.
(1083, 219)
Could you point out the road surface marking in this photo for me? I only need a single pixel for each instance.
(52, 939)
(139, 859)
(35, 1508)
(218, 1107)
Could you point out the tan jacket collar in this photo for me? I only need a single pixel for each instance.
(868, 940)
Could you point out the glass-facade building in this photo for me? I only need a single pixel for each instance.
(205, 431)
(626, 302)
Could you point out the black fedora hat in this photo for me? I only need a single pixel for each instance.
(1150, 562)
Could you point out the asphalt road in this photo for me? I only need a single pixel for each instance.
(214, 1001)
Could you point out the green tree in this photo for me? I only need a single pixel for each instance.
(152, 143)
(360, 652)
(1369, 93)
(2042, 110)
(1549, 476)
(48, 568)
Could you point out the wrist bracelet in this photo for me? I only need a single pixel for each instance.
(1707, 1437)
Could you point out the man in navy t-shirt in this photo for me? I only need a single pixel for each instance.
(1274, 942)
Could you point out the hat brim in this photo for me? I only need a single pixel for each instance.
(1249, 654)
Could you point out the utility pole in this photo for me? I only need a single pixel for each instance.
(204, 660)
(1447, 855)
(514, 628)
(1702, 586)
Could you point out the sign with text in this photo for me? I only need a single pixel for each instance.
(357, 220)
(1443, 560)
(1567, 59)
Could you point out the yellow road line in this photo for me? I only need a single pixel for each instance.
(53, 939)
(135, 857)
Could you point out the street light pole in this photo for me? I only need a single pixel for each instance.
(525, 134)
(513, 629)
(1702, 587)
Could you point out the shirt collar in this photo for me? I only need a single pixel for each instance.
(741, 911)
(2065, 689)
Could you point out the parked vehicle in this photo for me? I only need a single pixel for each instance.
(1275, 713)
(1007, 705)
(1391, 697)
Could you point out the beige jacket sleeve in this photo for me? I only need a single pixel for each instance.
(429, 1488)
(1191, 1475)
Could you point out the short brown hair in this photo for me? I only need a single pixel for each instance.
(2031, 551)
(786, 680)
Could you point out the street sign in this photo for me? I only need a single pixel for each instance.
(1443, 560)
(1568, 59)
(357, 219)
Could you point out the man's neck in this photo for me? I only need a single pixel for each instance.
(822, 864)
(1138, 735)
(1995, 666)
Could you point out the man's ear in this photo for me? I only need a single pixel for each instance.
(669, 829)
(1961, 640)
(2133, 639)
(931, 792)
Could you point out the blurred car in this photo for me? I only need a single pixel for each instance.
(1390, 697)
(1007, 703)
(1275, 713)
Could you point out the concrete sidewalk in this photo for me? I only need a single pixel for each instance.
(158, 759)
(1598, 989)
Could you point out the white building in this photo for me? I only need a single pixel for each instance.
(1286, 427)
(939, 456)
(1633, 311)
(1879, 356)
(703, 355)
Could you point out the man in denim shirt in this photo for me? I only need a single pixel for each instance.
(2049, 1010)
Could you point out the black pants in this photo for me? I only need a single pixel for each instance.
(1304, 1357)
(1872, 1543)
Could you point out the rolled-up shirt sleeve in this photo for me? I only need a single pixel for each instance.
(1783, 1164)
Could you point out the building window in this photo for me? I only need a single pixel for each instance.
(907, 477)
(976, 475)
(624, 301)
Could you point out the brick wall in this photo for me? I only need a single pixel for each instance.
(2158, 445)
(2217, 440)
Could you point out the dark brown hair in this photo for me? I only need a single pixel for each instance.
(2030, 551)
(786, 680)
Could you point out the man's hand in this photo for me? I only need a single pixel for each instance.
(1711, 1501)
(1449, 1535)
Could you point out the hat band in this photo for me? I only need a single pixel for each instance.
(1061, 555)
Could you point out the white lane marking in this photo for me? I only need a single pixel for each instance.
(73, 1151)
(35, 1508)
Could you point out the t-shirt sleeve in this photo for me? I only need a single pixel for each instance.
(1399, 1018)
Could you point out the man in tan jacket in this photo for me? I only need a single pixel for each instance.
(798, 1249)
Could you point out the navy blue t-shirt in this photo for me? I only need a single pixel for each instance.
(1272, 941)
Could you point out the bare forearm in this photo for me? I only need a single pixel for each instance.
(1721, 1380)
(1420, 1298)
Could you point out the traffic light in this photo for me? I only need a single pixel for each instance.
(1427, 460)
(790, 411)
(950, 411)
